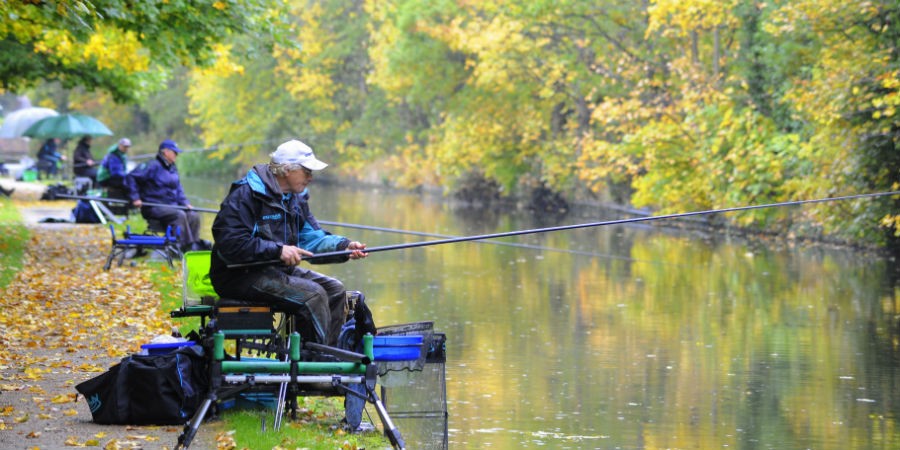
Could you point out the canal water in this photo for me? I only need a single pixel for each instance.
(629, 337)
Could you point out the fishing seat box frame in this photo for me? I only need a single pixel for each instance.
(251, 326)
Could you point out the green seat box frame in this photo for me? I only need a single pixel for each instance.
(199, 299)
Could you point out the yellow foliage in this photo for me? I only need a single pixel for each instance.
(680, 17)
(110, 47)
(224, 65)
(384, 37)
(496, 45)
(116, 49)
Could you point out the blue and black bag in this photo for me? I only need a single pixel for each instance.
(84, 213)
(149, 389)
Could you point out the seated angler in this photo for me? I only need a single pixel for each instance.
(155, 184)
(83, 164)
(49, 157)
(112, 172)
(266, 217)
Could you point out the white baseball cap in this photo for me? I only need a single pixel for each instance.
(296, 152)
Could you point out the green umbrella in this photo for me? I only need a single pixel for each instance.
(67, 126)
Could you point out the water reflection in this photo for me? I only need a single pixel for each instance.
(673, 340)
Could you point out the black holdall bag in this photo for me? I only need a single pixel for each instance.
(149, 389)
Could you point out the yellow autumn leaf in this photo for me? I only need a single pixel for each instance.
(63, 398)
(34, 375)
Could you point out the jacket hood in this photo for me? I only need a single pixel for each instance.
(261, 181)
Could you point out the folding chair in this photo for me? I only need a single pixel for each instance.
(166, 245)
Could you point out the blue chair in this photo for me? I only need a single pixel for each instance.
(165, 245)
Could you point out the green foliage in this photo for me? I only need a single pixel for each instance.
(316, 95)
(846, 99)
(122, 47)
(203, 163)
(669, 104)
(682, 104)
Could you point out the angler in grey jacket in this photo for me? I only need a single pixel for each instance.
(266, 217)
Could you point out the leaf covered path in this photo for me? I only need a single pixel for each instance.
(65, 320)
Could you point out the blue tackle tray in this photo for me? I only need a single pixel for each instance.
(397, 348)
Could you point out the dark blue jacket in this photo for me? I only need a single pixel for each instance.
(156, 181)
(112, 171)
(48, 152)
(255, 220)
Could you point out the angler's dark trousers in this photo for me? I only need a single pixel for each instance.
(187, 221)
(317, 301)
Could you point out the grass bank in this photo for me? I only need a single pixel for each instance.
(13, 239)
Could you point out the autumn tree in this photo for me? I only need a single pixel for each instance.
(672, 105)
(122, 47)
(312, 86)
(847, 98)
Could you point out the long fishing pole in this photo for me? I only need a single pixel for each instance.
(449, 236)
(118, 200)
(573, 227)
(357, 226)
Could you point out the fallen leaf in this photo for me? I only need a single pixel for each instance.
(63, 398)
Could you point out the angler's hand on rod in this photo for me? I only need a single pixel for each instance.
(292, 255)
(358, 250)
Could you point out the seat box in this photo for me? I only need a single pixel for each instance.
(244, 318)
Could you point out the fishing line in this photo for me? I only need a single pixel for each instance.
(576, 226)
(510, 244)
(117, 200)
(208, 149)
